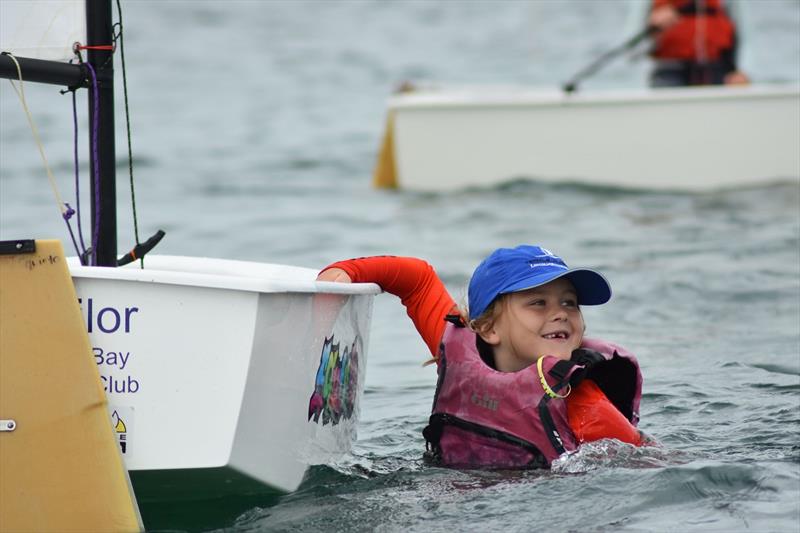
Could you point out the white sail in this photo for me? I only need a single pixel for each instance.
(42, 29)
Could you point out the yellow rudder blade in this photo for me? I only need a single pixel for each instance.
(60, 465)
(385, 176)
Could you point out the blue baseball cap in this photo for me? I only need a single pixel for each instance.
(525, 267)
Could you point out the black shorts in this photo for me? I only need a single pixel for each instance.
(684, 73)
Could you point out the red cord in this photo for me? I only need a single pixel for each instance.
(96, 47)
(109, 47)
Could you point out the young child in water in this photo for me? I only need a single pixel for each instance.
(518, 383)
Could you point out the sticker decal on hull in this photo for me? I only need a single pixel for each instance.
(336, 383)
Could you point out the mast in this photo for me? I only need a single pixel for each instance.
(99, 32)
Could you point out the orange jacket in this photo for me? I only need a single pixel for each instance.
(705, 32)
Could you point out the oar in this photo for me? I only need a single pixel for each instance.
(571, 85)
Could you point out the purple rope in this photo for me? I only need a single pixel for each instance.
(95, 162)
(82, 250)
(67, 215)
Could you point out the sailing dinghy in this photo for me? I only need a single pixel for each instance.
(223, 378)
(693, 138)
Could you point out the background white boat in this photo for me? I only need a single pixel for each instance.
(696, 138)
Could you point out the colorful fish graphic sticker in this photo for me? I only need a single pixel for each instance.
(336, 384)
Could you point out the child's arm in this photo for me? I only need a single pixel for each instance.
(592, 416)
(413, 280)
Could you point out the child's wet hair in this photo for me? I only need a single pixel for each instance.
(483, 322)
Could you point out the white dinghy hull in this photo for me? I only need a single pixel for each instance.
(251, 371)
(681, 139)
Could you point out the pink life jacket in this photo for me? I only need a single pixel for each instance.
(485, 418)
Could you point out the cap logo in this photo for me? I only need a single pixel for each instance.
(548, 259)
(534, 264)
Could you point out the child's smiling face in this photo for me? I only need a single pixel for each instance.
(545, 320)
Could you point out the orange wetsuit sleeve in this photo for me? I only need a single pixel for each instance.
(592, 416)
(420, 290)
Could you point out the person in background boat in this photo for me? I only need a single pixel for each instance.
(519, 384)
(695, 43)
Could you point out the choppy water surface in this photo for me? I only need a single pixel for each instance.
(256, 126)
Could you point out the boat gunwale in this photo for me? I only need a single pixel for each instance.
(491, 97)
(246, 280)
